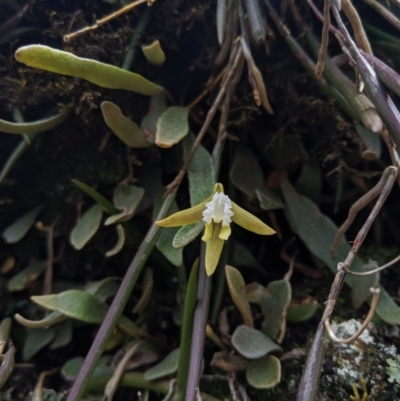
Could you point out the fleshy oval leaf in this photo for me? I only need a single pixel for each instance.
(24, 279)
(166, 367)
(86, 227)
(252, 343)
(101, 74)
(172, 126)
(34, 127)
(264, 373)
(126, 199)
(301, 308)
(17, 230)
(187, 234)
(124, 128)
(154, 53)
(201, 173)
(237, 289)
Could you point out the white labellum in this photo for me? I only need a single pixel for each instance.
(218, 210)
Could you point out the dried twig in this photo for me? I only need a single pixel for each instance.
(106, 19)
(324, 39)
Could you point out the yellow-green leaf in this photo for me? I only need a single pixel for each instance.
(104, 75)
(86, 227)
(237, 290)
(154, 53)
(124, 128)
(34, 127)
(172, 126)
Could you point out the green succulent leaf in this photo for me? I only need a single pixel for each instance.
(154, 53)
(17, 230)
(126, 199)
(86, 227)
(166, 367)
(101, 74)
(252, 343)
(166, 237)
(124, 128)
(172, 126)
(27, 276)
(264, 373)
(237, 289)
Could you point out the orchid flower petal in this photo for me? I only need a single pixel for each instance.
(246, 220)
(225, 232)
(213, 250)
(184, 217)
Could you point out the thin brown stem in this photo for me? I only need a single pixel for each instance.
(324, 39)
(388, 178)
(375, 297)
(106, 19)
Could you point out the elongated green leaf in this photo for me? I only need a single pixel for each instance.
(104, 75)
(17, 230)
(201, 173)
(172, 126)
(50, 320)
(154, 53)
(166, 237)
(23, 279)
(85, 307)
(124, 128)
(166, 367)
(75, 304)
(252, 343)
(96, 196)
(318, 231)
(187, 234)
(86, 227)
(264, 373)
(34, 127)
(126, 200)
(237, 290)
(187, 329)
(310, 181)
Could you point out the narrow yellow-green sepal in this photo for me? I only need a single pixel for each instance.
(184, 217)
(207, 232)
(246, 220)
(213, 250)
(225, 232)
